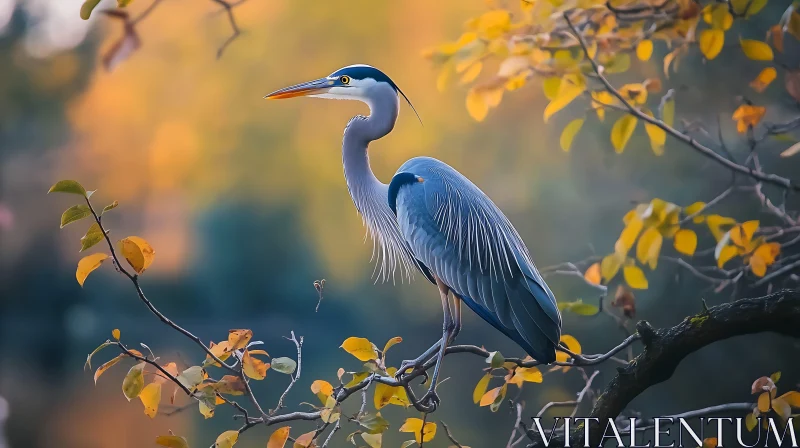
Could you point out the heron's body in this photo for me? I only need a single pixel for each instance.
(455, 230)
(432, 218)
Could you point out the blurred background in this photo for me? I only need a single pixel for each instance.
(245, 204)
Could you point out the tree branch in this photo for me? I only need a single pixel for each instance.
(666, 348)
(702, 149)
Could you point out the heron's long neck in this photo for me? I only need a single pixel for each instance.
(370, 195)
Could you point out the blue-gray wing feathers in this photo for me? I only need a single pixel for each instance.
(455, 230)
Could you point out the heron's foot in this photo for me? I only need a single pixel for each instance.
(409, 366)
(430, 400)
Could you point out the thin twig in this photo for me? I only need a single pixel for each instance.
(135, 280)
(299, 345)
(702, 149)
(228, 8)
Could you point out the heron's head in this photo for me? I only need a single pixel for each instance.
(355, 82)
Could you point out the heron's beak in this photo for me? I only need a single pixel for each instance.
(315, 87)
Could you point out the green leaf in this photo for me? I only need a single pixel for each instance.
(495, 360)
(283, 365)
(133, 383)
(110, 206)
(93, 236)
(578, 307)
(123, 3)
(374, 423)
(191, 377)
(68, 186)
(102, 346)
(74, 213)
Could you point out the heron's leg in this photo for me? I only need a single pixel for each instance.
(456, 319)
(420, 360)
(448, 328)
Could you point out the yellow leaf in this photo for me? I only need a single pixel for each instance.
(238, 339)
(572, 344)
(726, 254)
(628, 236)
(133, 383)
(711, 42)
(644, 50)
(106, 366)
(445, 77)
(622, 131)
(361, 348)
(222, 351)
(635, 277)
(750, 6)
(686, 241)
(476, 105)
(551, 87)
(385, 394)
(718, 225)
(668, 112)
(414, 425)
(782, 408)
(480, 388)
(88, 264)
(750, 421)
(747, 116)
(764, 79)
(600, 100)
(322, 389)
(278, 438)
(695, 208)
(137, 252)
(172, 441)
(254, 367)
(171, 368)
(649, 247)
(792, 398)
(151, 397)
(390, 343)
(530, 374)
(571, 87)
(742, 234)
(569, 132)
(493, 24)
(490, 396)
(115, 333)
(592, 275)
(472, 72)
(775, 376)
(231, 385)
(305, 440)
(764, 402)
(763, 257)
(227, 439)
(657, 136)
(373, 440)
(610, 265)
(756, 50)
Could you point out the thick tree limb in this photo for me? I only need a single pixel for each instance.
(666, 348)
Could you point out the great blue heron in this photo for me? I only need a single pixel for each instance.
(432, 218)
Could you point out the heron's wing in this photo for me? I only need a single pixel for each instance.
(461, 235)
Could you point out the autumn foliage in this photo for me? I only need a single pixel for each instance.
(573, 54)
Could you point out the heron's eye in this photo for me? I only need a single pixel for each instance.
(344, 79)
